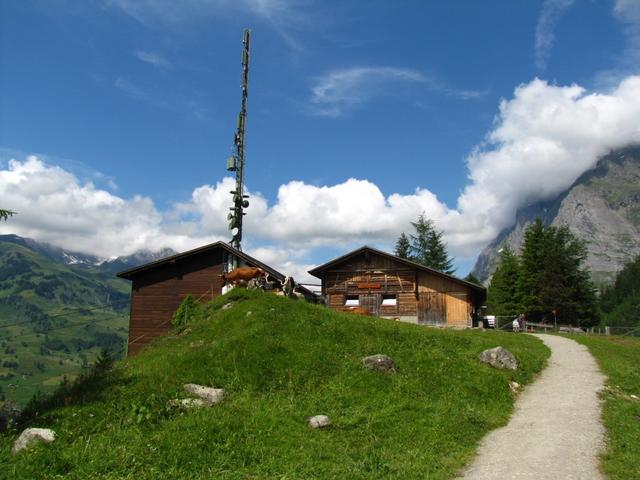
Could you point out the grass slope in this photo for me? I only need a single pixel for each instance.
(50, 323)
(282, 361)
(619, 359)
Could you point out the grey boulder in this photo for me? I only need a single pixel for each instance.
(32, 436)
(379, 363)
(209, 395)
(499, 358)
(319, 421)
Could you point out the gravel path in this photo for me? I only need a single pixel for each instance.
(555, 431)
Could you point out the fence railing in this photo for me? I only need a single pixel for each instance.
(505, 323)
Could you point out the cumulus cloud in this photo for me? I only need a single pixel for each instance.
(551, 12)
(54, 206)
(543, 139)
(338, 91)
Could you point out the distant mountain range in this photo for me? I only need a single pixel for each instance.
(602, 208)
(58, 309)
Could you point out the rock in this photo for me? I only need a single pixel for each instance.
(319, 421)
(500, 358)
(209, 395)
(227, 306)
(32, 436)
(186, 403)
(184, 332)
(380, 363)
(514, 386)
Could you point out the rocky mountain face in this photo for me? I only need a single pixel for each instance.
(602, 208)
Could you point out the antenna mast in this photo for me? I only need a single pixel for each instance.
(235, 163)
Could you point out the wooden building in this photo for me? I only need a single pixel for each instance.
(159, 287)
(393, 287)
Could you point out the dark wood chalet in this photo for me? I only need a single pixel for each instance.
(159, 287)
(393, 287)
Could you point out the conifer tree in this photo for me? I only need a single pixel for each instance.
(5, 214)
(552, 282)
(402, 246)
(502, 294)
(428, 248)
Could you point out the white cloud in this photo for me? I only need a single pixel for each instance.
(340, 90)
(153, 58)
(542, 140)
(551, 12)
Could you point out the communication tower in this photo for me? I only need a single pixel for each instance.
(235, 163)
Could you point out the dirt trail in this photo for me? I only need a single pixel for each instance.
(556, 431)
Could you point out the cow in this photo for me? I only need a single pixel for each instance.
(242, 275)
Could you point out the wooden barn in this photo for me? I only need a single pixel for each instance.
(393, 287)
(159, 287)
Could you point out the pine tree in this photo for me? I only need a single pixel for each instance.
(428, 248)
(552, 282)
(5, 214)
(402, 246)
(502, 294)
(472, 279)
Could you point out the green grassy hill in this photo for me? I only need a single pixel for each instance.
(52, 318)
(282, 361)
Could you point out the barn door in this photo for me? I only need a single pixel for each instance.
(432, 308)
(371, 301)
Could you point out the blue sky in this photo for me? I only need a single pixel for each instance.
(116, 117)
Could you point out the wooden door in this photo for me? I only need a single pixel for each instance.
(371, 301)
(432, 308)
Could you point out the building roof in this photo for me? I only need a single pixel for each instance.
(317, 272)
(130, 273)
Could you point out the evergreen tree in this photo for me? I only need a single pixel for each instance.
(552, 283)
(5, 214)
(502, 294)
(427, 246)
(402, 246)
(472, 279)
(620, 302)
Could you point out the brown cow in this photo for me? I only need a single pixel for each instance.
(243, 274)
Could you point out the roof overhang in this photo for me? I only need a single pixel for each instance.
(319, 270)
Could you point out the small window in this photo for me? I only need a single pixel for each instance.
(352, 301)
(389, 301)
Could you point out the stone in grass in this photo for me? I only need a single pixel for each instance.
(209, 395)
(514, 386)
(499, 358)
(379, 363)
(187, 403)
(31, 436)
(319, 421)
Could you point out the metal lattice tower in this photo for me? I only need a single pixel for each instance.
(235, 163)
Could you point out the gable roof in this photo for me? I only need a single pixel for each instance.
(316, 272)
(130, 273)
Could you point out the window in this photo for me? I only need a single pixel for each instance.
(389, 301)
(352, 301)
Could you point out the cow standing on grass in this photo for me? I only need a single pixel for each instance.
(242, 275)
